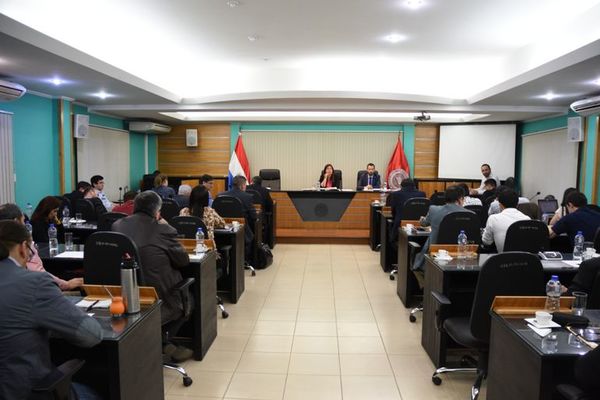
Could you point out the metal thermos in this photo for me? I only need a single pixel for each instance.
(129, 285)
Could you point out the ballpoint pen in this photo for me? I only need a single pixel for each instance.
(92, 305)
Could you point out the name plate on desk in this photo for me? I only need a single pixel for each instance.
(321, 206)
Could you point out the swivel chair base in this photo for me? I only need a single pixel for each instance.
(224, 313)
(413, 313)
(251, 268)
(392, 273)
(187, 381)
(475, 389)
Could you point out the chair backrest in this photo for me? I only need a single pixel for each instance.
(106, 220)
(188, 226)
(530, 236)
(480, 211)
(454, 222)
(148, 182)
(271, 178)
(415, 208)
(170, 208)
(338, 174)
(256, 197)
(359, 174)
(86, 209)
(530, 209)
(594, 297)
(504, 274)
(438, 199)
(102, 256)
(228, 206)
(597, 240)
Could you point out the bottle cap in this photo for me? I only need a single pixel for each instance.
(554, 277)
(462, 231)
(51, 225)
(579, 232)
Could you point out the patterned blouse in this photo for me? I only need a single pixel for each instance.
(211, 219)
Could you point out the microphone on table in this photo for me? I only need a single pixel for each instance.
(120, 194)
(532, 197)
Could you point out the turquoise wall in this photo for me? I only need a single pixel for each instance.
(136, 159)
(408, 139)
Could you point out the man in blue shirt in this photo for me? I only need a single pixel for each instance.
(580, 218)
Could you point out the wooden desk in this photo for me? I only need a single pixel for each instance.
(127, 364)
(234, 281)
(407, 286)
(540, 366)
(458, 284)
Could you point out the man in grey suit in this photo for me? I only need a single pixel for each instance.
(454, 202)
(32, 306)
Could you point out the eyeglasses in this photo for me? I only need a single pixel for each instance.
(31, 252)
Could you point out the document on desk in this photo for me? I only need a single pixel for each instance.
(87, 303)
(70, 254)
(197, 257)
(571, 263)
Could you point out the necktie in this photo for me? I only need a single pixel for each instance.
(370, 180)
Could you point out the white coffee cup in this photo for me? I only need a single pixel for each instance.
(409, 226)
(442, 253)
(235, 224)
(543, 317)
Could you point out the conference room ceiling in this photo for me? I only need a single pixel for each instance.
(507, 60)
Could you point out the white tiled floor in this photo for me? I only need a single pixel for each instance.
(323, 322)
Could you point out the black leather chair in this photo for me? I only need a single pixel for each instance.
(415, 208)
(338, 174)
(256, 197)
(505, 274)
(597, 240)
(102, 256)
(169, 209)
(531, 210)
(479, 210)
(453, 223)
(148, 182)
(188, 226)
(57, 384)
(358, 176)
(86, 209)
(228, 207)
(438, 199)
(530, 236)
(106, 220)
(271, 178)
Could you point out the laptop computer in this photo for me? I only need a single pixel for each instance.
(548, 206)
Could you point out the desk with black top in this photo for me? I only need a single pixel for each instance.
(127, 364)
(387, 253)
(458, 284)
(407, 286)
(233, 282)
(81, 231)
(522, 367)
(374, 225)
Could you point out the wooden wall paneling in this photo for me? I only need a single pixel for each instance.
(426, 151)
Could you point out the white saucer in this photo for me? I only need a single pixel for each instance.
(76, 221)
(533, 322)
(438, 258)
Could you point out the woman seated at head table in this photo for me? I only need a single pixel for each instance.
(328, 178)
(199, 208)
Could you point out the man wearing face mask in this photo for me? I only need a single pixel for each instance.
(31, 307)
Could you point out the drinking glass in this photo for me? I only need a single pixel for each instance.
(579, 303)
(78, 217)
(68, 241)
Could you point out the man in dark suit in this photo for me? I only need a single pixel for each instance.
(162, 257)
(75, 195)
(397, 199)
(369, 180)
(238, 190)
(267, 201)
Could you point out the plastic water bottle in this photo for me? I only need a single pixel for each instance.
(199, 241)
(65, 214)
(52, 240)
(29, 210)
(29, 227)
(383, 194)
(462, 244)
(578, 246)
(553, 294)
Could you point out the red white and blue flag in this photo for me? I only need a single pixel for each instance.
(239, 165)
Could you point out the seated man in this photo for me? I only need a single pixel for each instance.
(238, 190)
(454, 202)
(583, 280)
(370, 180)
(98, 184)
(92, 195)
(161, 257)
(208, 182)
(32, 307)
(183, 196)
(580, 218)
(469, 201)
(34, 263)
(397, 199)
(77, 194)
(267, 201)
(127, 206)
(497, 224)
(489, 190)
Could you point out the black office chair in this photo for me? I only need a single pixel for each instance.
(415, 208)
(505, 274)
(531, 210)
(86, 209)
(338, 174)
(148, 182)
(438, 199)
(169, 209)
(597, 240)
(256, 197)
(271, 178)
(106, 220)
(585, 387)
(530, 236)
(359, 174)
(57, 384)
(188, 226)
(479, 210)
(102, 256)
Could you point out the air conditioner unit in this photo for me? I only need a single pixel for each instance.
(148, 127)
(587, 106)
(10, 91)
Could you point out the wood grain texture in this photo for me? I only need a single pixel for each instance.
(427, 139)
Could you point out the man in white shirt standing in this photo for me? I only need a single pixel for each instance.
(486, 170)
(497, 224)
(98, 184)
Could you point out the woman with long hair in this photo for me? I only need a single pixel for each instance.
(199, 208)
(161, 186)
(46, 213)
(328, 179)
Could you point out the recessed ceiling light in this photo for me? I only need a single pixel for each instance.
(102, 94)
(549, 96)
(57, 81)
(596, 81)
(414, 4)
(253, 38)
(233, 3)
(394, 38)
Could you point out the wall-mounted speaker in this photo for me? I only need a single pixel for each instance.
(82, 126)
(191, 137)
(575, 129)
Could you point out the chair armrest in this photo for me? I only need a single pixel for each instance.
(60, 376)
(442, 309)
(440, 299)
(414, 245)
(570, 392)
(184, 284)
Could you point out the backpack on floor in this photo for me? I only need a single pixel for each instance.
(265, 257)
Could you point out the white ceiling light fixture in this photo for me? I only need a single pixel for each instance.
(57, 81)
(233, 3)
(414, 4)
(394, 38)
(102, 95)
(549, 96)
(596, 81)
(253, 38)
